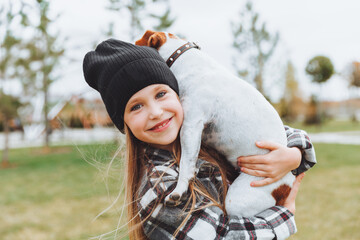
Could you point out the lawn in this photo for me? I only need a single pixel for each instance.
(327, 126)
(58, 195)
(328, 205)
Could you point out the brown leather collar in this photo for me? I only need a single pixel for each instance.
(180, 51)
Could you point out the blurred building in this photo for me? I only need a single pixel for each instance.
(81, 113)
(342, 110)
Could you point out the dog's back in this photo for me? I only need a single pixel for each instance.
(235, 116)
(236, 113)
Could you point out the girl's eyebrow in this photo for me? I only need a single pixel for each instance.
(157, 88)
(132, 101)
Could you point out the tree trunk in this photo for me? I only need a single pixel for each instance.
(5, 155)
(47, 125)
(320, 113)
(260, 70)
(259, 83)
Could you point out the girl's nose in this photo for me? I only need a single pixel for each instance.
(155, 111)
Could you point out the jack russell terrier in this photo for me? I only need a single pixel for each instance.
(227, 114)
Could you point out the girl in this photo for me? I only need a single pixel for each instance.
(141, 96)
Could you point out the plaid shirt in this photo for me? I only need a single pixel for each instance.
(209, 222)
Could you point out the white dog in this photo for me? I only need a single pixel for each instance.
(226, 113)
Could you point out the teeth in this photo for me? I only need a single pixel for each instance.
(161, 125)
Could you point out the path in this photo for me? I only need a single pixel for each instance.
(84, 136)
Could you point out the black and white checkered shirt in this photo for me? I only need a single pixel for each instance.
(210, 222)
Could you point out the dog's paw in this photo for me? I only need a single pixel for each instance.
(174, 199)
(174, 196)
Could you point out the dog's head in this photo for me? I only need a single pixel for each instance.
(165, 43)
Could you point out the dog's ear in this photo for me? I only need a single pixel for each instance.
(152, 39)
(145, 38)
(157, 40)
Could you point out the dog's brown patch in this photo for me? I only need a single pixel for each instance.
(280, 194)
(143, 41)
(152, 39)
(157, 40)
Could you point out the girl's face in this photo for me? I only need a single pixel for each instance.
(154, 115)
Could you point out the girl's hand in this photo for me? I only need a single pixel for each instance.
(273, 165)
(290, 201)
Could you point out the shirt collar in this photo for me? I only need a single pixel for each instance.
(157, 154)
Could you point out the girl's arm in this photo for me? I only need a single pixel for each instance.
(300, 139)
(210, 222)
(298, 157)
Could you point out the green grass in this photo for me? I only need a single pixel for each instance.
(328, 204)
(57, 195)
(328, 126)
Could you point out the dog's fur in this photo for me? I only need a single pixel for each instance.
(227, 114)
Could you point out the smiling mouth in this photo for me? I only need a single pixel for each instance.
(162, 125)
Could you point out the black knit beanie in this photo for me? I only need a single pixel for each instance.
(117, 70)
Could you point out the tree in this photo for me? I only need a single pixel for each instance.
(354, 83)
(320, 69)
(164, 21)
(354, 75)
(138, 12)
(312, 112)
(8, 111)
(254, 46)
(9, 42)
(10, 18)
(291, 104)
(43, 56)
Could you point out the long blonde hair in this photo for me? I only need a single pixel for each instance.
(135, 170)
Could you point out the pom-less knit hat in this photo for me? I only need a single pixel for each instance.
(117, 70)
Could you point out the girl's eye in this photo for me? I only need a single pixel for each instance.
(136, 107)
(160, 94)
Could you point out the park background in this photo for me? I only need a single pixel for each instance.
(55, 175)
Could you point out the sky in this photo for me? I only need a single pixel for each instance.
(307, 28)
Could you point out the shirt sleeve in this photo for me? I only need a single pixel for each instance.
(207, 222)
(300, 139)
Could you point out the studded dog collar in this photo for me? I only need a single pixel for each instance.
(180, 51)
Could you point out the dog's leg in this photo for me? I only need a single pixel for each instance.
(190, 138)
